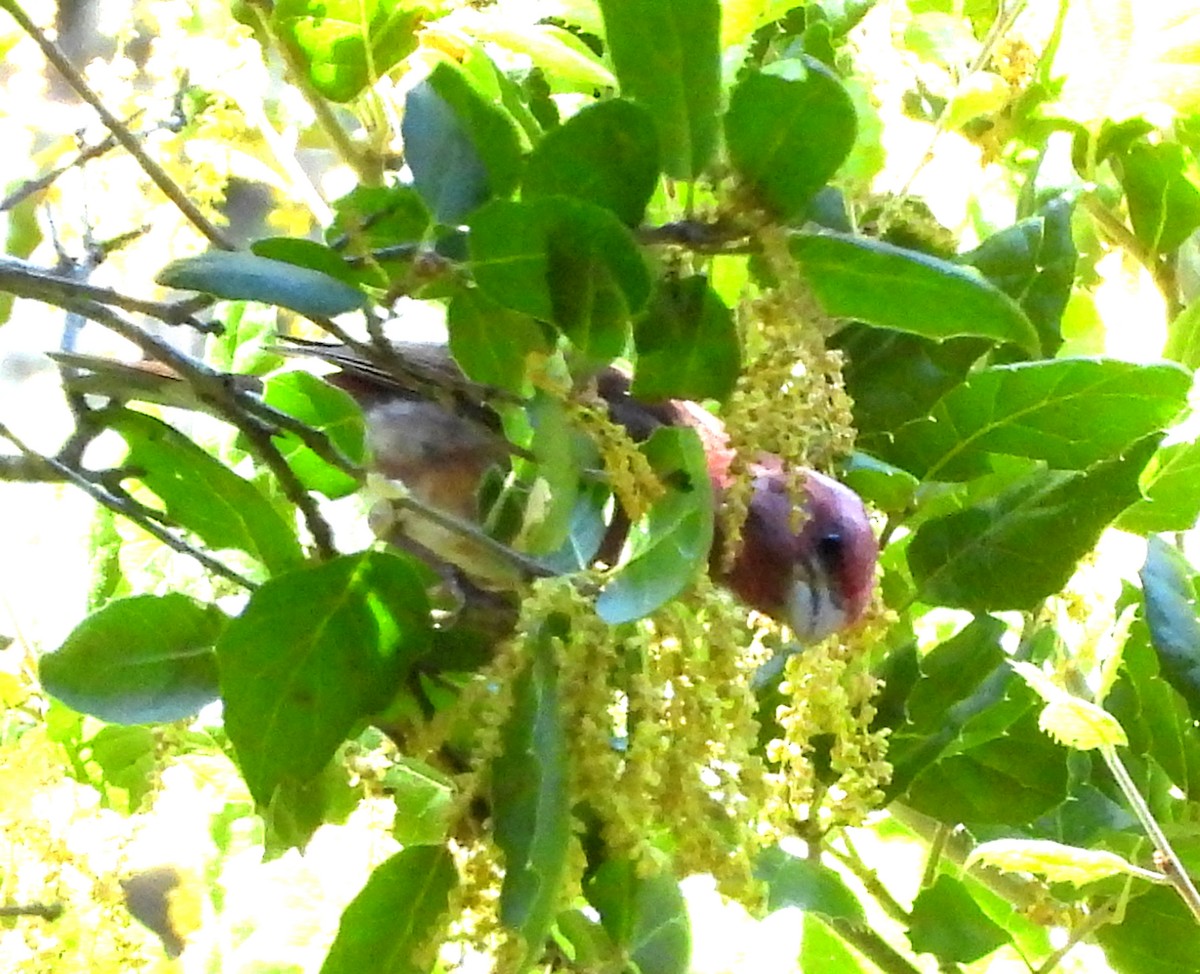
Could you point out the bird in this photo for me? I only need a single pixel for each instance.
(434, 431)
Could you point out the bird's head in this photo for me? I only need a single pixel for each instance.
(818, 579)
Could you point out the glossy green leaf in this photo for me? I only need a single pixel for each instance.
(565, 261)
(201, 494)
(1071, 413)
(314, 652)
(1169, 595)
(241, 276)
(305, 253)
(890, 287)
(399, 912)
(947, 922)
(894, 378)
(880, 484)
(348, 45)
(1170, 501)
(491, 343)
(140, 660)
(607, 155)
(788, 129)
(328, 410)
(1160, 183)
(671, 544)
(1157, 935)
(424, 801)
(462, 148)
(645, 916)
(531, 802)
(687, 343)
(806, 884)
(1014, 550)
(667, 58)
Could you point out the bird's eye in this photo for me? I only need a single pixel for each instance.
(830, 549)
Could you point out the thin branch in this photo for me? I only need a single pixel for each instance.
(865, 875)
(169, 187)
(85, 155)
(1091, 923)
(1172, 868)
(46, 911)
(872, 946)
(127, 507)
(26, 280)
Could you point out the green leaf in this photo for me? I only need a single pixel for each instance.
(558, 461)
(201, 494)
(1183, 337)
(1157, 935)
(788, 129)
(490, 343)
(399, 912)
(462, 149)
(646, 916)
(996, 555)
(1000, 769)
(607, 155)
(1170, 501)
(568, 63)
(1071, 413)
(348, 45)
(667, 58)
(128, 758)
(1169, 595)
(140, 660)
(564, 261)
(530, 797)
(822, 950)
(880, 484)
(671, 544)
(946, 921)
(305, 253)
(372, 217)
(890, 287)
(328, 410)
(805, 883)
(314, 652)
(1160, 188)
(424, 801)
(687, 343)
(240, 276)
(894, 378)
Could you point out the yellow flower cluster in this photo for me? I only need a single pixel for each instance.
(633, 480)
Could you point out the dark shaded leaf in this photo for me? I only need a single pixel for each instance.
(646, 916)
(201, 494)
(490, 343)
(1157, 935)
(399, 911)
(895, 378)
(1170, 604)
(328, 410)
(342, 41)
(804, 883)
(671, 544)
(1072, 413)
(531, 798)
(241, 276)
(462, 149)
(564, 261)
(687, 343)
(788, 129)
(139, 660)
(667, 58)
(890, 287)
(947, 922)
(314, 652)
(1014, 550)
(1164, 203)
(607, 155)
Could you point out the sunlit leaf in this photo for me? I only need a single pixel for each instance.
(313, 652)
(1057, 863)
